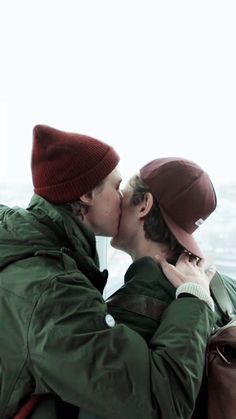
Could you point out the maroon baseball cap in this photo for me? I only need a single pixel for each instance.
(185, 195)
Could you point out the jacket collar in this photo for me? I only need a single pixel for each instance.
(48, 228)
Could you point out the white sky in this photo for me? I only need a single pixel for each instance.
(153, 78)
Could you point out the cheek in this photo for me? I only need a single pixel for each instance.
(111, 206)
(115, 203)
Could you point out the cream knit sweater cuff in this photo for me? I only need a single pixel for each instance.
(196, 290)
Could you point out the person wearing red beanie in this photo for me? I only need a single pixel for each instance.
(58, 340)
(69, 167)
(66, 165)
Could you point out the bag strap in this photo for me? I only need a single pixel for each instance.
(221, 297)
(140, 304)
(154, 308)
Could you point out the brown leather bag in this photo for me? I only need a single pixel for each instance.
(221, 373)
(217, 395)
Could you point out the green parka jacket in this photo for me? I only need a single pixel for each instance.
(145, 285)
(56, 336)
(137, 302)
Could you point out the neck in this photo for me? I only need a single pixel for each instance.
(139, 246)
(150, 248)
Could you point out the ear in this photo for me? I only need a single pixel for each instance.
(87, 198)
(146, 205)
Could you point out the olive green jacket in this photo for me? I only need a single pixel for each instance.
(145, 289)
(56, 338)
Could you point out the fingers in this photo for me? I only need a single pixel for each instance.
(193, 260)
(184, 257)
(170, 272)
(188, 268)
(201, 263)
(159, 258)
(186, 261)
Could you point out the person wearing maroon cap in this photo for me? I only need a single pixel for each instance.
(161, 209)
(58, 340)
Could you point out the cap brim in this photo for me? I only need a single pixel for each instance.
(185, 239)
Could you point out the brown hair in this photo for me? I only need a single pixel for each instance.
(79, 208)
(155, 227)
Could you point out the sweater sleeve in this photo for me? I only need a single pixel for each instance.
(109, 369)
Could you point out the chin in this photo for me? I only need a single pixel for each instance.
(106, 232)
(115, 243)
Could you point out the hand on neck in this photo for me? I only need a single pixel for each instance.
(150, 248)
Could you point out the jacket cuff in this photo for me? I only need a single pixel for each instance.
(196, 290)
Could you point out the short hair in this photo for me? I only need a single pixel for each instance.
(79, 208)
(155, 227)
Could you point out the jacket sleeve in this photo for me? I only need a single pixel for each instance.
(110, 370)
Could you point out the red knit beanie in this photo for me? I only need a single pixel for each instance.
(66, 165)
